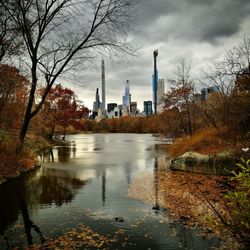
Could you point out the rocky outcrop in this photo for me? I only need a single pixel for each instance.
(218, 164)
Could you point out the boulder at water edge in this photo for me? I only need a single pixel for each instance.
(218, 164)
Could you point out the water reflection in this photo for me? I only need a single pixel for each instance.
(128, 171)
(46, 187)
(63, 153)
(156, 207)
(103, 187)
(87, 182)
(28, 223)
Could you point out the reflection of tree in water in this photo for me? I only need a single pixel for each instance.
(44, 186)
(47, 155)
(12, 202)
(73, 147)
(9, 205)
(28, 224)
(156, 185)
(63, 153)
(53, 191)
(54, 187)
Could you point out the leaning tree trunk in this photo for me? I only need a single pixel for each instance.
(28, 112)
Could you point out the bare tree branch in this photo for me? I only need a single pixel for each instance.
(61, 34)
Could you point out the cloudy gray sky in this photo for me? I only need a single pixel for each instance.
(199, 31)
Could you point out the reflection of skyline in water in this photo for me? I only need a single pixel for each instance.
(91, 174)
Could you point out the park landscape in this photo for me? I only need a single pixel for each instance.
(178, 179)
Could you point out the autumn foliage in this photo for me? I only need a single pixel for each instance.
(61, 109)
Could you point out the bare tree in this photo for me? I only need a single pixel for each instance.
(237, 60)
(216, 76)
(231, 75)
(180, 94)
(62, 34)
(10, 38)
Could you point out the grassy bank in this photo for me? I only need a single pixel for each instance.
(12, 164)
(209, 141)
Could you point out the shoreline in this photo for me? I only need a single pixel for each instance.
(7, 178)
(184, 196)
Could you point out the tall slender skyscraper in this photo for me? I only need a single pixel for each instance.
(155, 88)
(160, 95)
(155, 53)
(103, 89)
(96, 105)
(126, 99)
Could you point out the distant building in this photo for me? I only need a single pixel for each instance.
(94, 115)
(111, 106)
(160, 95)
(155, 87)
(126, 99)
(103, 89)
(127, 96)
(97, 103)
(197, 97)
(120, 109)
(148, 109)
(99, 116)
(133, 108)
(115, 113)
(206, 91)
(125, 110)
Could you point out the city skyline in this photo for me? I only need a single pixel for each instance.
(198, 31)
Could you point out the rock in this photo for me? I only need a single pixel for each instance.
(218, 164)
(119, 219)
(2, 180)
(156, 207)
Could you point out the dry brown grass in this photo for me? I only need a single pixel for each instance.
(206, 141)
(11, 163)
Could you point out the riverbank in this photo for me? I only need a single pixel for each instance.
(13, 165)
(188, 199)
(16, 171)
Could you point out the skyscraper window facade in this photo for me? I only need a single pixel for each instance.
(126, 99)
(148, 108)
(160, 95)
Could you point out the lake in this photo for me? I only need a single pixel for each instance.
(81, 192)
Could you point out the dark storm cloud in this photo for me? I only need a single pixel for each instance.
(198, 30)
(190, 19)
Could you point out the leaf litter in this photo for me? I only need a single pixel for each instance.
(185, 197)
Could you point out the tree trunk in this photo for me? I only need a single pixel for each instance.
(27, 116)
(52, 131)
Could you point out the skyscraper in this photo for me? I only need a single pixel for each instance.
(111, 106)
(155, 88)
(103, 89)
(126, 99)
(148, 108)
(155, 84)
(160, 95)
(133, 108)
(96, 105)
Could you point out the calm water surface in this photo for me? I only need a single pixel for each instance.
(87, 182)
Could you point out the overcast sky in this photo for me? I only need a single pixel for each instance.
(200, 31)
